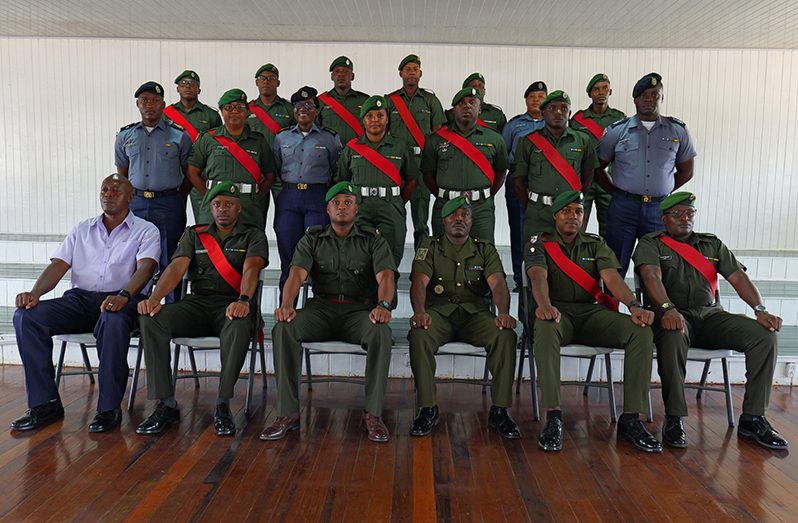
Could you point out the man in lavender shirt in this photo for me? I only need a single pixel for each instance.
(113, 257)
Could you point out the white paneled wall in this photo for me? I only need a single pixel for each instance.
(64, 99)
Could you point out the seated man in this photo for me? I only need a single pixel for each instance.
(223, 260)
(454, 276)
(352, 271)
(680, 269)
(563, 269)
(112, 257)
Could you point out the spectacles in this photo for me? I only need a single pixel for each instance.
(267, 78)
(238, 108)
(690, 213)
(304, 105)
(188, 83)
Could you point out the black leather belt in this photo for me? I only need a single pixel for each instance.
(645, 198)
(342, 298)
(155, 194)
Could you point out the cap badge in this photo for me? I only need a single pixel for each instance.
(232, 189)
(157, 89)
(303, 94)
(379, 103)
(348, 62)
(653, 81)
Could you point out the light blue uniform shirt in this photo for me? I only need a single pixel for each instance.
(306, 159)
(155, 160)
(517, 128)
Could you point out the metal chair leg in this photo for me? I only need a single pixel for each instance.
(131, 400)
(253, 356)
(485, 376)
(521, 356)
(727, 386)
(703, 381)
(60, 367)
(175, 367)
(533, 384)
(589, 377)
(650, 413)
(87, 363)
(263, 364)
(193, 363)
(610, 387)
(307, 369)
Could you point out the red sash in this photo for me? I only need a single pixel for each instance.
(176, 116)
(264, 117)
(556, 160)
(342, 112)
(377, 160)
(590, 124)
(481, 122)
(218, 259)
(697, 260)
(241, 155)
(407, 118)
(578, 274)
(470, 150)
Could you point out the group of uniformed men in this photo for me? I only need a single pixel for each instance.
(347, 238)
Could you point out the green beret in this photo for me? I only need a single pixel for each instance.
(373, 102)
(410, 58)
(468, 91)
(649, 80)
(565, 198)
(555, 96)
(233, 95)
(224, 189)
(683, 197)
(341, 60)
(473, 76)
(187, 74)
(452, 205)
(601, 77)
(270, 68)
(340, 188)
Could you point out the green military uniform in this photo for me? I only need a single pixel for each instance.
(218, 165)
(454, 171)
(282, 112)
(202, 313)
(458, 302)
(343, 273)
(352, 101)
(492, 115)
(707, 326)
(385, 213)
(584, 321)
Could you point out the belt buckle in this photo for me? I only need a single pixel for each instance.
(646, 198)
(149, 194)
(302, 186)
(374, 191)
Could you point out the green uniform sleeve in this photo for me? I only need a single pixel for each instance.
(381, 256)
(590, 159)
(535, 254)
(437, 117)
(429, 158)
(727, 262)
(344, 172)
(186, 245)
(257, 244)
(500, 163)
(521, 158)
(646, 252)
(303, 254)
(199, 153)
(493, 263)
(267, 163)
(605, 258)
(409, 169)
(424, 261)
(214, 120)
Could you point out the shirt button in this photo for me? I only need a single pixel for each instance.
(458, 264)
(459, 284)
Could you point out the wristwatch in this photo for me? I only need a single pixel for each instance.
(124, 293)
(760, 308)
(385, 304)
(243, 297)
(665, 307)
(635, 303)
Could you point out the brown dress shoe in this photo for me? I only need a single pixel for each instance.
(377, 430)
(280, 427)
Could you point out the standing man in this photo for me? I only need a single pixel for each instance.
(453, 280)
(592, 121)
(465, 160)
(680, 268)
(385, 174)
(564, 268)
(153, 155)
(234, 152)
(223, 260)
(339, 108)
(651, 156)
(353, 278)
(414, 113)
(548, 162)
(112, 257)
(306, 158)
(194, 117)
(491, 116)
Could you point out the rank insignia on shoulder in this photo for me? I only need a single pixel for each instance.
(533, 238)
(421, 254)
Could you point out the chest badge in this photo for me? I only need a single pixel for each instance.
(421, 254)
(438, 289)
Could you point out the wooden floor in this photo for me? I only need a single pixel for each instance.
(329, 471)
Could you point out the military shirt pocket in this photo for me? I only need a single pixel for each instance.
(327, 265)
(168, 151)
(626, 146)
(574, 159)
(668, 148)
(132, 149)
(357, 268)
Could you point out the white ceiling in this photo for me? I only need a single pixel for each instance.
(565, 23)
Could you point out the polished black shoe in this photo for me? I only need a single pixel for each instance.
(40, 416)
(635, 432)
(760, 431)
(500, 420)
(159, 420)
(550, 438)
(426, 419)
(106, 420)
(223, 422)
(673, 434)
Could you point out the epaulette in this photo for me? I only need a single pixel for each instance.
(495, 107)
(619, 122)
(314, 229)
(331, 131)
(255, 131)
(173, 124)
(128, 126)
(705, 234)
(594, 236)
(428, 91)
(516, 116)
(198, 226)
(676, 121)
(284, 129)
(369, 230)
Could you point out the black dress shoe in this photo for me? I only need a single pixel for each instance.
(39, 416)
(159, 420)
(635, 432)
(673, 434)
(426, 419)
(760, 431)
(105, 420)
(550, 438)
(223, 422)
(500, 419)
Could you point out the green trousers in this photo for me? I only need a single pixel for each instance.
(720, 330)
(419, 213)
(602, 199)
(194, 316)
(537, 219)
(388, 215)
(591, 324)
(483, 218)
(477, 329)
(322, 320)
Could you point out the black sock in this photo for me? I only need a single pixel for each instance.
(626, 417)
(222, 401)
(170, 402)
(554, 414)
(747, 417)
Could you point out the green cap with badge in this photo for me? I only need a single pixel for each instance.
(455, 203)
(566, 198)
(601, 77)
(268, 68)
(188, 73)
(340, 188)
(223, 189)
(233, 95)
(473, 76)
(414, 58)
(468, 91)
(342, 61)
(681, 197)
(555, 96)
(372, 103)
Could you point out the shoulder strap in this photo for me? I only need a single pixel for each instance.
(579, 275)
(377, 160)
(697, 260)
(589, 124)
(556, 160)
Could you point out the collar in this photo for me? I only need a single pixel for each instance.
(467, 250)
(313, 128)
(222, 131)
(477, 129)
(387, 139)
(330, 233)
(182, 108)
(636, 122)
(129, 219)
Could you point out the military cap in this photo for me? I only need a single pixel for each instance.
(536, 86)
(555, 96)
(271, 68)
(467, 91)
(566, 198)
(649, 80)
(473, 76)
(682, 197)
(373, 102)
(233, 95)
(410, 58)
(601, 77)
(149, 87)
(452, 205)
(188, 73)
(223, 189)
(305, 93)
(340, 188)
(342, 61)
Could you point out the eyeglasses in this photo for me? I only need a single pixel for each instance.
(238, 108)
(188, 83)
(690, 213)
(267, 78)
(304, 105)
